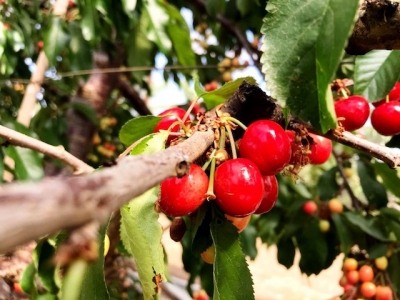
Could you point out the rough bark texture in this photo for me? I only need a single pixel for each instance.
(377, 27)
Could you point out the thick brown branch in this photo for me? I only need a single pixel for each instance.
(18, 139)
(377, 27)
(30, 211)
(133, 97)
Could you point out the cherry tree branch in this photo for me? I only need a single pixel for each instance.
(58, 152)
(32, 210)
(377, 27)
(133, 97)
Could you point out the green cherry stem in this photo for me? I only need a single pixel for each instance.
(236, 121)
(180, 122)
(207, 163)
(344, 94)
(232, 142)
(210, 192)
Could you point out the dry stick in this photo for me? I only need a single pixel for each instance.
(18, 139)
(391, 156)
(32, 210)
(26, 109)
(356, 203)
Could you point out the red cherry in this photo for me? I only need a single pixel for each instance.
(171, 116)
(386, 118)
(270, 195)
(213, 85)
(320, 150)
(352, 277)
(310, 207)
(368, 289)
(239, 187)
(182, 196)
(383, 293)
(266, 144)
(366, 273)
(40, 45)
(354, 110)
(394, 95)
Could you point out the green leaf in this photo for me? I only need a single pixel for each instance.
(246, 6)
(313, 248)
(28, 283)
(141, 235)
(1, 164)
(232, 278)
(327, 185)
(215, 7)
(373, 190)
(129, 6)
(55, 39)
(80, 56)
(90, 20)
(137, 128)
(343, 232)
(218, 96)
(377, 250)
(156, 32)
(390, 178)
(94, 284)
(286, 252)
(367, 224)
(248, 239)
(179, 34)
(267, 225)
(393, 271)
(46, 267)
(299, 70)
(152, 143)
(73, 280)
(375, 73)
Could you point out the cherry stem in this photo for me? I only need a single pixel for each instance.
(236, 121)
(387, 98)
(189, 110)
(232, 142)
(210, 192)
(206, 164)
(344, 93)
(222, 138)
(180, 122)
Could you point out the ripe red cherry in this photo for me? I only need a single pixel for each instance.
(170, 116)
(40, 45)
(366, 273)
(270, 194)
(320, 150)
(266, 144)
(368, 289)
(383, 293)
(386, 118)
(239, 187)
(354, 110)
(310, 207)
(182, 196)
(394, 95)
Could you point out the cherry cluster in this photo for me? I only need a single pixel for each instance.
(353, 112)
(323, 211)
(241, 186)
(365, 278)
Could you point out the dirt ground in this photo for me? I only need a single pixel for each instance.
(272, 281)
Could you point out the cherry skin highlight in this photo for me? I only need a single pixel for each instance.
(270, 195)
(267, 145)
(320, 150)
(239, 187)
(182, 196)
(386, 118)
(354, 110)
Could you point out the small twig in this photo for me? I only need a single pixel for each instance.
(355, 202)
(391, 156)
(133, 97)
(18, 139)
